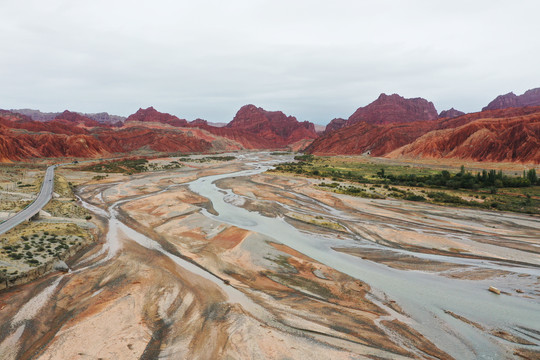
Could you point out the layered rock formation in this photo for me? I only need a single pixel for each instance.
(126, 140)
(74, 117)
(394, 109)
(16, 145)
(369, 139)
(106, 118)
(273, 126)
(388, 109)
(390, 125)
(256, 128)
(529, 98)
(21, 138)
(514, 139)
(499, 135)
(102, 117)
(450, 113)
(152, 115)
(335, 124)
(36, 115)
(72, 134)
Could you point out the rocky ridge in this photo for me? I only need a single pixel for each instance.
(152, 115)
(498, 135)
(450, 113)
(529, 98)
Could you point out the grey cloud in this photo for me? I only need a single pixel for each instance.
(315, 60)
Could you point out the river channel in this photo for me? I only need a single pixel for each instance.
(424, 296)
(433, 304)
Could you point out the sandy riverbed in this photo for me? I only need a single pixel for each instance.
(250, 295)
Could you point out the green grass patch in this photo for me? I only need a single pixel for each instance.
(488, 189)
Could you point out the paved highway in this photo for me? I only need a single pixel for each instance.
(43, 198)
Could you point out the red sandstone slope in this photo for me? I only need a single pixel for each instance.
(394, 109)
(335, 124)
(388, 109)
(21, 138)
(273, 126)
(75, 135)
(15, 146)
(256, 128)
(376, 140)
(125, 140)
(514, 139)
(380, 140)
(17, 121)
(152, 115)
(450, 113)
(77, 118)
(529, 98)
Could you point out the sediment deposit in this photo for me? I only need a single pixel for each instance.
(222, 260)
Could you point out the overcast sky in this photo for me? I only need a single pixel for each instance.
(312, 59)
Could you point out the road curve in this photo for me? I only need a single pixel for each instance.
(43, 198)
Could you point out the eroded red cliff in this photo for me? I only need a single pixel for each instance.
(152, 115)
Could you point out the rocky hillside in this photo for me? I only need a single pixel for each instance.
(498, 135)
(450, 113)
(394, 109)
(529, 98)
(152, 115)
(72, 134)
(102, 117)
(77, 118)
(272, 126)
(513, 139)
(335, 124)
(389, 109)
(22, 139)
(256, 128)
(369, 139)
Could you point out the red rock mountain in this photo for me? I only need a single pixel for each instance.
(72, 134)
(498, 135)
(450, 113)
(369, 139)
(101, 117)
(152, 115)
(256, 128)
(529, 98)
(22, 139)
(335, 124)
(198, 122)
(272, 126)
(126, 140)
(394, 109)
(74, 117)
(514, 139)
(106, 118)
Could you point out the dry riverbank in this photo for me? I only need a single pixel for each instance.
(182, 284)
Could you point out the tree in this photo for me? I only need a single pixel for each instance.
(531, 175)
(445, 174)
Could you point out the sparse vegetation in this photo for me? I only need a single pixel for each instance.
(210, 158)
(37, 243)
(488, 189)
(126, 166)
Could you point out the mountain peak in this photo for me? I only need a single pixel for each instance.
(152, 115)
(394, 109)
(528, 98)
